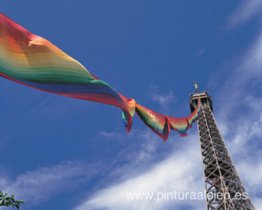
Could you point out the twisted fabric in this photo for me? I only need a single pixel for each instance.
(33, 61)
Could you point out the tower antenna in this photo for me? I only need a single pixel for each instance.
(196, 87)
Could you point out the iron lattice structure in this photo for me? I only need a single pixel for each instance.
(224, 190)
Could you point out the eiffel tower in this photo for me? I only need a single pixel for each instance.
(224, 190)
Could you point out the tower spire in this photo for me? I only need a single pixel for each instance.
(196, 87)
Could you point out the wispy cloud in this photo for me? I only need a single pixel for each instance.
(244, 80)
(245, 11)
(241, 114)
(178, 172)
(112, 135)
(164, 99)
(38, 185)
(140, 153)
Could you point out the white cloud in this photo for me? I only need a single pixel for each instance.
(36, 186)
(164, 99)
(251, 173)
(242, 116)
(243, 82)
(179, 172)
(245, 11)
(112, 135)
(252, 63)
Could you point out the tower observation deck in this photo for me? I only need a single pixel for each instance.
(224, 190)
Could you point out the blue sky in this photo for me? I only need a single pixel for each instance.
(62, 153)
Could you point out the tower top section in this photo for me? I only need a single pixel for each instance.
(204, 98)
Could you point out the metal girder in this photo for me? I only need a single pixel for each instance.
(224, 190)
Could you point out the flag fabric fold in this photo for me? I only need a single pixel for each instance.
(33, 61)
(162, 124)
(155, 121)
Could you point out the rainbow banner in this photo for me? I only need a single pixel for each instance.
(33, 61)
(162, 124)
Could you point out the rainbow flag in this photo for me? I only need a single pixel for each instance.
(33, 61)
(162, 124)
